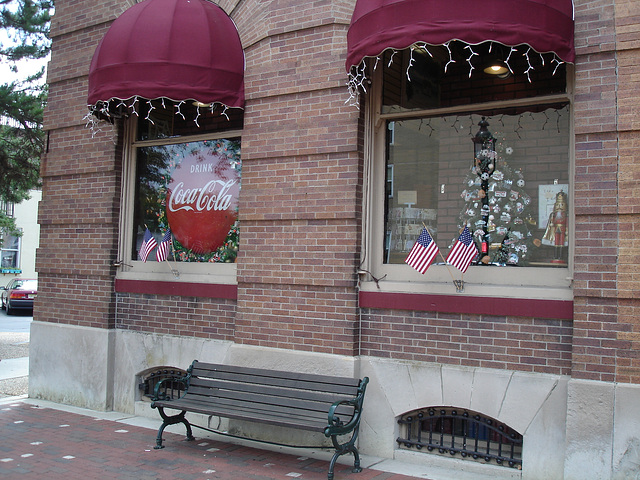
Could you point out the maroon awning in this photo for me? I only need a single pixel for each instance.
(544, 25)
(175, 49)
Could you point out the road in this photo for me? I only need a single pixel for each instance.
(14, 354)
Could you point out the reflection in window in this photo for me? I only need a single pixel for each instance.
(513, 196)
(191, 190)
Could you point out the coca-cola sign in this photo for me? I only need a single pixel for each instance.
(202, 200)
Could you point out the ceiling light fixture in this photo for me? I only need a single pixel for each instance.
(498, 68)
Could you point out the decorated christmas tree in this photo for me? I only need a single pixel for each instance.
(497, 208)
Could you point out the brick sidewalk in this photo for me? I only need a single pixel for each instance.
(43, 443)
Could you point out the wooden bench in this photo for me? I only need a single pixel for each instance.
(316, 403)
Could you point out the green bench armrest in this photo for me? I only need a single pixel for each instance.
(335, 425)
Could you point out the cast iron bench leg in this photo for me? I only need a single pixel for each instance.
(341, 449)
(172, 420)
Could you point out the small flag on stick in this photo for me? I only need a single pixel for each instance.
(148, 244)
(163, 248)
(463, 252)
(423, 252)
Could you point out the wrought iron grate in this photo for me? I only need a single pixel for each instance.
(171, 389)
(458, 431)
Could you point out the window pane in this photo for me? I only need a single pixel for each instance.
(191, 188)
(11, 242)
(9, 259)
(432, 182)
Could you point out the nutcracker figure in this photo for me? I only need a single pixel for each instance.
(557, 228)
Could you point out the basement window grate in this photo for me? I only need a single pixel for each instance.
(171, 388)
(453, 431)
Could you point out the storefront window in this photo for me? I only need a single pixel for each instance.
(518, 214)
(453, 146)
(183, 171)
(190, 190)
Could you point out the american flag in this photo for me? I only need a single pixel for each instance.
(423, 252)
(163, 248)
(463, 251)
(148, 244)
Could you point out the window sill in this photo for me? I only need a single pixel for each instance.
(183, 289)
(550, 308)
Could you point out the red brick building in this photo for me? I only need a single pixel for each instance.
(540, 338)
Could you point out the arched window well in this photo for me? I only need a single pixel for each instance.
(456, 431)
(170, 377)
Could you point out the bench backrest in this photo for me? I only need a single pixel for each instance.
(282, 397)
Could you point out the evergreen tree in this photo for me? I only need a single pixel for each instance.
(24, 37)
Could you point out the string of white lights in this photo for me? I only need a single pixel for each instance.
(148, 117)
(357, 81)
(451, 60)
(558, 63)
(393, 54)
(178, 112)
(411, 61)
(104, 112)
(530, 67)
(356, 84)
(197, 116)
(471, 67)
(509, 58)
(134, 108)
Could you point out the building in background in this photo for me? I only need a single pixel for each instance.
(288, 203)
(18, 253)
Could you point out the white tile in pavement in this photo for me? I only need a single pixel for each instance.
(14, 367)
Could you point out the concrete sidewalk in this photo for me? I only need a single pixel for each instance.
(14, 363)
(45, 440)
(14, 367)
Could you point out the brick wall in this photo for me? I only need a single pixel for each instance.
(523, 344)
(301, 202)
(627, 35)
(603, 327)
(301, 175)
(70, 298)
(173, 315)
(603, 340)
(299, 206)
(81, 175)
(628, 280)
(300, 317)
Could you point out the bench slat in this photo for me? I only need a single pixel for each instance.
(214, 370)
(293, 409)
(287, 392)
(268, 411)
(302, 385)
(290, 403)
(249, 414)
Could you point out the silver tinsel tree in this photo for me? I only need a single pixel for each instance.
(499, 216)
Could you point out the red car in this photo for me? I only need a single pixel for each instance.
(19, 294)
